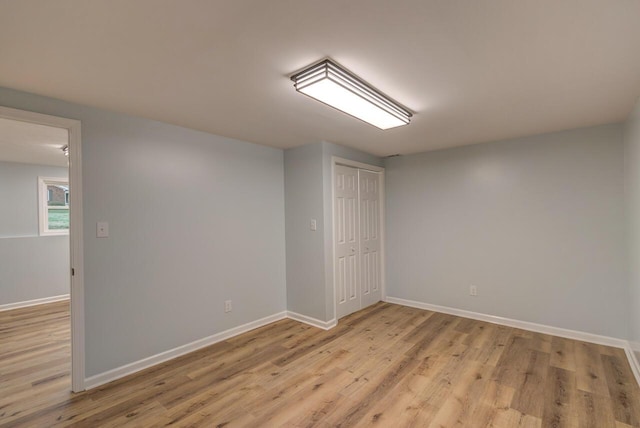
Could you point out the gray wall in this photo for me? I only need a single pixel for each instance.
(195, 219)
(305, 248)
(535, 223)
(310, 254)
(32, 266)
(632, 193)
(19, 196)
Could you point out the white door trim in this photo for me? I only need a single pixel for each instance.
(336, 160)
(355, 164)
(75, 232)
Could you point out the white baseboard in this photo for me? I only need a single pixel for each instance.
(27, 303)
(117, 373)
(633, 350)
(524, 325)
(325, 325)
(530, 326)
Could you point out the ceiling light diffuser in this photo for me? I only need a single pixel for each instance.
(333, 85)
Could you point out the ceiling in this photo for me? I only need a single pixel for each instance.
(472, 71)
(31, 143)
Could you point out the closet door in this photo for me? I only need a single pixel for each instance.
(346, 221)
(370, 238)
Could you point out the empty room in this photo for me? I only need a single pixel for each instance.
(341, 213)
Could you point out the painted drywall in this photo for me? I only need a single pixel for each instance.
(632, 195)
(328, 151)
(305, 248)
(536, 224)
(33, 267)
(194, 219)
(19, 193)
(310, 253)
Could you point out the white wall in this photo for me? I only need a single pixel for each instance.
(31, 266)
(535, 223)
(195, 219)
(632, 194)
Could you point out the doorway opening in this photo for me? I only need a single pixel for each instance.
(358, 235)
(40, 155)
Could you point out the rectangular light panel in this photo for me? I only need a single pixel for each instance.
(338, 88)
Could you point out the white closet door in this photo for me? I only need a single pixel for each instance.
(370, 238)
(346, 237)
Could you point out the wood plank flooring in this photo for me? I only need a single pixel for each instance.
(387, 365)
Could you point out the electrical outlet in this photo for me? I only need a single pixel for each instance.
(102, 229)
(227, 305)
(473, 290)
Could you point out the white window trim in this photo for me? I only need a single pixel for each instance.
(43, 206)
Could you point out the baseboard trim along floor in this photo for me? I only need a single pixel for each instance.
(325, 325)
(136, 366)
(119, 372)
(34, 302)
(530, 326)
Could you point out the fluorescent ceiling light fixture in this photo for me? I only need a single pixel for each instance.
(333, 85)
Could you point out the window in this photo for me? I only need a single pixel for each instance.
(53, 194)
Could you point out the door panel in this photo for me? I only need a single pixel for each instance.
(370, 237)
(346, 224)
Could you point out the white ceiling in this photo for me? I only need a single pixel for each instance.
(473, 71)
(30, 143)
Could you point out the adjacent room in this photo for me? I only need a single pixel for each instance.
(363, 213)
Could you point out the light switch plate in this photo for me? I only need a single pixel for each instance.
(102, 229)
(313, 225)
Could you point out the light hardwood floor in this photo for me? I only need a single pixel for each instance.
(385, 366)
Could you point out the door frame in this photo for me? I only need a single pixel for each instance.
(335, 160)
(76, 288)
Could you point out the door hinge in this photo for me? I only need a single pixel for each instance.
(73, 272)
